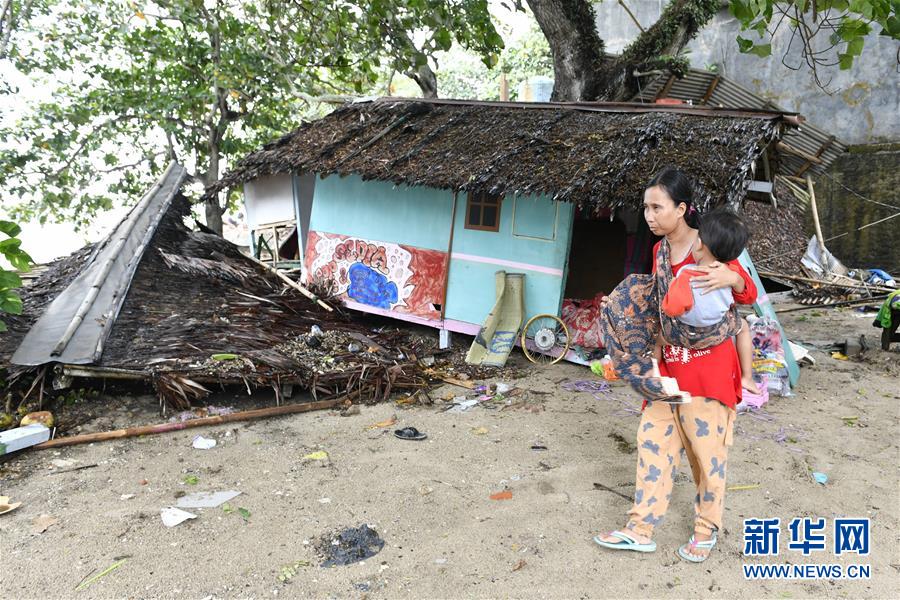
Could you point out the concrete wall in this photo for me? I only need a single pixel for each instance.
(864, 106)
(269, 200)
(874, 174)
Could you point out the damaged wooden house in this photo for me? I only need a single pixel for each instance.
(408, 207)
(184, 310)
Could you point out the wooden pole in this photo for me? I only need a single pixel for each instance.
(504, 88)
(293, 284)
(815, 216)
(248, 415)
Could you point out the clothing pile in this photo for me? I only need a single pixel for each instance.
(582, 317)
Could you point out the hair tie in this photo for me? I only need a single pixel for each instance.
(691, 210)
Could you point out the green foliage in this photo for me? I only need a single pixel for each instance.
(132, 85)
(10, 249)
(846, 22)
(461, 77)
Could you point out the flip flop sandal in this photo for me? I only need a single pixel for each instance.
(684, 551)
(627, 543)
(410, 433)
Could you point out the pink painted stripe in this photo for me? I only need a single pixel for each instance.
(392, 314)
(507, 263)
(461, 327)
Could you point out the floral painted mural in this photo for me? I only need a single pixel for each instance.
(382, 275)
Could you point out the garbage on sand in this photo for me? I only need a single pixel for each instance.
(206, 499)
(821, 478)
(348, 546)
(504, 495)
(42, 523)
(172, 516)
(6, 506)
(202, 443)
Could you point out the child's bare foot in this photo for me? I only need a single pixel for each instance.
(748, 384)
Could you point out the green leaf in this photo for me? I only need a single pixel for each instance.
(9, 280)
(845, 61)
(10, 228)
(10, 303)
(744, 45)
(245, 514)
(855, 47)
(225, 356)
(191, 479)
(762, 50)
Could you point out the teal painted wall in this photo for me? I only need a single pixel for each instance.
(534, 230)
(376, 210)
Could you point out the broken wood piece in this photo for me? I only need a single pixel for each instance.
(606, 488)
(293, 284)
(458, 382)
(248, 415)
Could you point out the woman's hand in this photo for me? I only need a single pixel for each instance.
(717, 276)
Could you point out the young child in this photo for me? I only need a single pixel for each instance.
(722, 237)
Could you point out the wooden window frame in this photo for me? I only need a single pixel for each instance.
(476, 198)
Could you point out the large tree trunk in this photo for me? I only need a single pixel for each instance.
(427, 81)
(571, 31)
(579, 69)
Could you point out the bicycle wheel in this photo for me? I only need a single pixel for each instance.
(545, 339)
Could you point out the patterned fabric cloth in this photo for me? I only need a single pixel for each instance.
(632, 320)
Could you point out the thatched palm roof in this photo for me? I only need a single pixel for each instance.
(593, 154)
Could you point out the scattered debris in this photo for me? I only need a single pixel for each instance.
(319, 455)
(738, 488)
(202, 443)
(349, 546)
(43, 417)
(126, 496)
(479, 430)
(6, 506)
(519, 565)
(191, 479)
(410, 433)
(86, 582)
(504, 495)
(289, 571)
(172, 516)
(462, 404)
(42, 523)
(820, 478)
(606, 488)
(19, 438)
(382, 424)
(206, 499)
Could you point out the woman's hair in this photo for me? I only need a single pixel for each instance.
(678, 186)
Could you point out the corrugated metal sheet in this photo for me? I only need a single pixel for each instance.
(726, 93)
(76, 324)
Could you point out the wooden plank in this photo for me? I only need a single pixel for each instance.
(798, 152)
(664, 91)
(709, 91)
(825, 146)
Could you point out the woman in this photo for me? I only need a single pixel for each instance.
(702, 429)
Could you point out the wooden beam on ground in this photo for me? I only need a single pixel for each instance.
(248, 415)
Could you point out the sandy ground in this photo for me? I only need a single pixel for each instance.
(444, 536)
